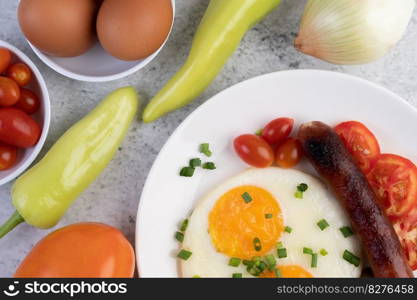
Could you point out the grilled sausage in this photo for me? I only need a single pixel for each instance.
(327, 153)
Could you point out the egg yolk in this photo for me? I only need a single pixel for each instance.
(290, 271)
(245, 222)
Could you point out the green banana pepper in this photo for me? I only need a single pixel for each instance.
(219, 34)
(43, 194)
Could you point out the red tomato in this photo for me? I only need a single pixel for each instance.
(5, 59)
(8, 156)
(254, 150)
(277, 130)
(80, 250)
(20, 73)
(360, 142)
(289, 153)
(407, 233)
(17, 128)
(9, 92)
(28, 101)
(394, 180)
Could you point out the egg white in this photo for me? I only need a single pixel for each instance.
(301, 215)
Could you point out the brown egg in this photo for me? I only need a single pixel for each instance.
(59, 27)
(133, 29)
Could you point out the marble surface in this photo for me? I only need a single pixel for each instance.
(113, 198)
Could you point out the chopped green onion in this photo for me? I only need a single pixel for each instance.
(279, 245)
(314, 258)
(179, 236)
(196, 276)
(322, 224)
(302, 187)
(270, 261)
(247, 197)
(237, 275)
(259, 132)
(298, 195)
(195, 162)
(351, 258)
(323, 252)
(234, 262)
(257, 244)
(278, 273)
(346, 231)
(307, 251)
(184, 225)
(246, 262)
(184, 254)
(282, 252)
(262, 266)
(187, 172)
(288, 229)
(268, 216)
(205, 149)
(209, 166)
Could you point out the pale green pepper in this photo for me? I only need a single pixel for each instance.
(43, 194)
(222, 28)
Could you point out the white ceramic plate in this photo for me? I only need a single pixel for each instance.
(304, 95)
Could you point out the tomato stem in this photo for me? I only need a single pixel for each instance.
(10, 224)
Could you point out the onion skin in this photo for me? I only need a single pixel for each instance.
(349, 32)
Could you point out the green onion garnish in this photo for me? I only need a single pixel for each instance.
(278, 273)
(302, 187)
(246, 197)
(282, 252)
(187, 172)
(346, 231)
(298, 195)
(257, 244)
(196, 276)
(351, 258)
(195, 162)
(209, 166)
(234, 262)
(205, 149)
(270, 261)
(237, 275)
(323, 252)
(179, 236)
(279, 245)
(288, 229)
(184, 225)
(268, 216)
(322, 224)
(246, 262)
(307, 250)
(184, 254)
(314, 258)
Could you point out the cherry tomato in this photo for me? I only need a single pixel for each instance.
(17, 128)
(28, 101)
(80, 250)
(360, 142)
(8, 156)
(5, 59)
(9, 92)
(289, 153)
(254, 150)
(394, 180)
(277, 130)
(20, 73)
(407, 234)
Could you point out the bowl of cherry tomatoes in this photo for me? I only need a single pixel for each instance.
(25, 112)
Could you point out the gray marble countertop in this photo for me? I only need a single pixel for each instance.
(113, 198)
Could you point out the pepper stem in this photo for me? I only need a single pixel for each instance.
(10, 224)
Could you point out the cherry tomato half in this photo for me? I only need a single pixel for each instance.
(17, 128)
(80, 250)
(9, 92)
(20, 73)
(8, 156)
(28, 101)
(360, 142)
(394, 180)
(289, 153)
(277, 130)
(5, 59)
(254, 150)
(407, 234)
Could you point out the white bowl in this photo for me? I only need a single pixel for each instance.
(97, 65)
(43, 116)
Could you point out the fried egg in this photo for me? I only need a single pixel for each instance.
(255, 213)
